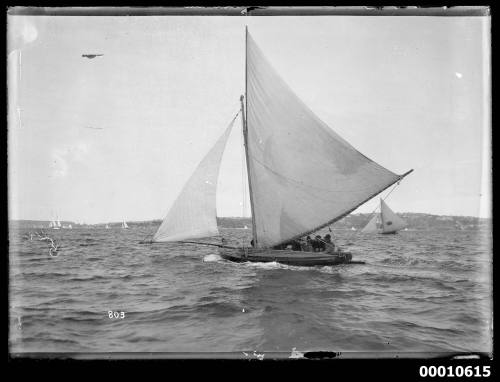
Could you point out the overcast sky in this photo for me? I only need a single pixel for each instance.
(116, 137)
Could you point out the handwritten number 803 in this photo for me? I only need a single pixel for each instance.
(112, 314)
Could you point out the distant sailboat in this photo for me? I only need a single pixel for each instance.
(107, 226)
(384, 222)
(302, 176)
(55, 223)
(124, 224)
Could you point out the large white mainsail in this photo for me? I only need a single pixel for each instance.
(303, 175)
(390, 221)
(193, 214)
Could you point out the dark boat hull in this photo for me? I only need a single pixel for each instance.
(288, 257)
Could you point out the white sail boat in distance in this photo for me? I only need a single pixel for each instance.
(384, 222)
(302, 176)
(55, 223)
(124, 225)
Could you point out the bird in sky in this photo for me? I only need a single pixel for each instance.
(90, 56)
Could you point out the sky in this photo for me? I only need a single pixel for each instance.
(116, 137)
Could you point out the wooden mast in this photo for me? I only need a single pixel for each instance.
(245, 137)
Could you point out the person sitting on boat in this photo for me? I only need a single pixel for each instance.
(307, 246)
(330, 245)
(322, 245)
(315, 244)
(296, 246)
(328, 240)
(318, 244)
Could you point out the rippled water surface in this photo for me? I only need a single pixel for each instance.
(419, 291)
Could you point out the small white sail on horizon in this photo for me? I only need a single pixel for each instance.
(124, 224)
(390, 221)
(384, 222)
(56, 224)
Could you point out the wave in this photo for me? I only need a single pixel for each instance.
(427, 297)
(412, 325)
(212, 258)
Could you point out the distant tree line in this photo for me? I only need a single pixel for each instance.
(418, 221)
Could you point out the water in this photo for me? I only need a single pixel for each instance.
(420, 291)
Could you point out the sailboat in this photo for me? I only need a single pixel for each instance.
(107, 226)
(55, 223)
(124, 224)
(302, 176)
(385, 222)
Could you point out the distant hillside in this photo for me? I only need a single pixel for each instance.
(227, 222)
(417, 221)
(44, 224)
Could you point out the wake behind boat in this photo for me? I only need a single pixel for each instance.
(302, 176)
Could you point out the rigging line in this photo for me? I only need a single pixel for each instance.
(193, 242)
